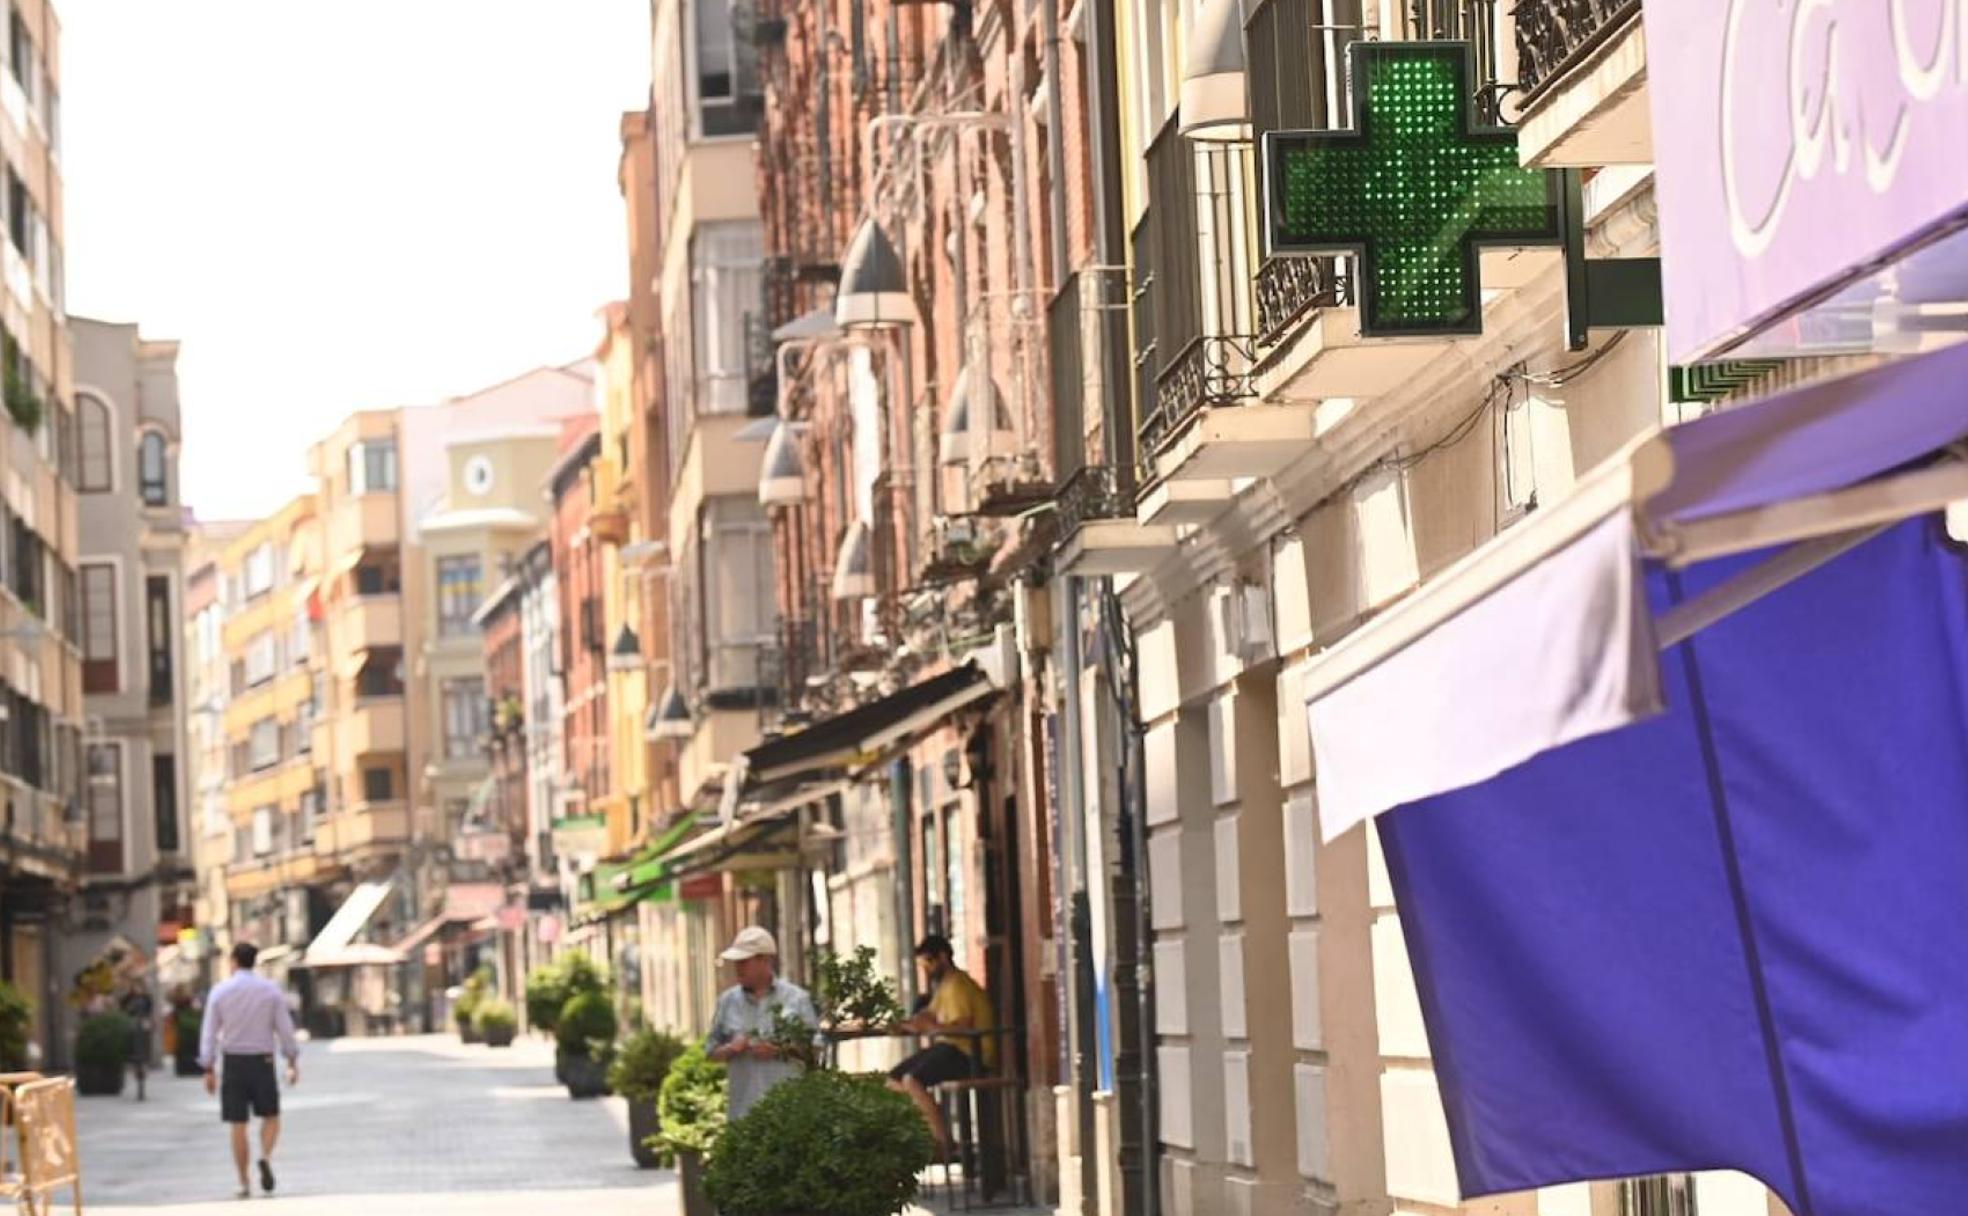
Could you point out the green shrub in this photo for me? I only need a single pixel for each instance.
(16, 1017)
(104, 1041)
(582, 974)
(546, 992)
(826, 1144)
(478, 989)
(642, 1063)
(191, 1023)
(586, 1026)
(494, 1014)
(691, 1105)
(849, 990)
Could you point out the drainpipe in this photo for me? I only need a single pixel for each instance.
(1055, 145)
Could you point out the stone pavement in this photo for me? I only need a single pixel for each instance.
(380, 1127)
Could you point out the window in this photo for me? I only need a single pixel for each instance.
(727, 72)
(157, 608)
(99, 665)
(28, 567)
(164, 795)
(20, 52)
(377, 577)
(739, 600)
(464, 717)
(263, 744)
(105, 800)
(259, 570)
(381, 674)
(96, 464)
(372, 467)
(65, 457)
(20, 215)
(264, 830)
(1667, 1195)
(150, 470)
(727, 283)
(460, 590)
(262, 659)
(378, 785)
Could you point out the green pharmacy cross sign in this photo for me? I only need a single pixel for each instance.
(1414, 188)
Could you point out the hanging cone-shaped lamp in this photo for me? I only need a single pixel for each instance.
(782, 475)
(1215, 105)
(854, 569)
(975, 391)
(874, 287)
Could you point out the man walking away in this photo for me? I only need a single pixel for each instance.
(246, 1019)
(741, 1029)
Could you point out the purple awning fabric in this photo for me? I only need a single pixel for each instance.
(1734, 936)
(1817, 438)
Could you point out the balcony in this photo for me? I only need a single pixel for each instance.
(1098, 533)
(957, 549)
(1582, 66)
(364, 521)
(365, 622)
(375, 726)
(367, 826)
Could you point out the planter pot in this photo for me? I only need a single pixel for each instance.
(560, 1066)
(187, 1065)
(99, 1080)
(643, 1123)
(585, 1078)
(499, 1036)
(468, 1033)
(690, 1180)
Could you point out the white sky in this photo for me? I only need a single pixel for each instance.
(337, 206)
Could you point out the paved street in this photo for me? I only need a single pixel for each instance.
(381, 1126)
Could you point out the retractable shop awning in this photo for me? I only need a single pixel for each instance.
(349, 919)
(1675, 774)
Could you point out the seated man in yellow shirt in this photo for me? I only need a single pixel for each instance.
(955, 1003)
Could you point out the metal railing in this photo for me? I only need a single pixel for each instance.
(1212, 370)
(1092, 493)
(1552, 35)
(1290, 287)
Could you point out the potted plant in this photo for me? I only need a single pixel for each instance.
(586, 1034)
(496, 1022)
(690, 1112)
(640, 1066)
(102, 1053)
(549, 989)
(822, 1144)
(546, 992)
(190, 1023)
(477, 987)
(16, 1018)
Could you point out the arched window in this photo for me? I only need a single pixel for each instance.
(97, 460)
(150, 470)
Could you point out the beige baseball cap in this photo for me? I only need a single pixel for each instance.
(751, 942)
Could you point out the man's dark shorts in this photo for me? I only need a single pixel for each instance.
(936, 1064)
(247, 1087)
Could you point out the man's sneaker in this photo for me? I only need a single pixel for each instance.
(266, 1176)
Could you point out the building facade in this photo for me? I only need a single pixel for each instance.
(208, 690)
(138, 884)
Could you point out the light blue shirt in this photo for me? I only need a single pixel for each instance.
(247, 1015)
(738, 1012)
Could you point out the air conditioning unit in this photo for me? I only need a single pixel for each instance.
(1244, 618)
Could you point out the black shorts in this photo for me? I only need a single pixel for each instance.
(935, 1064)
(247, 1087)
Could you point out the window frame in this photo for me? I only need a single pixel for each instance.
(456, 575)
(154, 484)
(461, 705)
(90, 408)
(362, 478)
(106, 847)
(102, 650)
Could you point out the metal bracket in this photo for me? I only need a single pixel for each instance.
(1602, 293)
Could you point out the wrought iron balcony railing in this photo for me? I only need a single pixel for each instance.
(1290, 287)
(1094, 492)
(1213, 370)
(1554, 34)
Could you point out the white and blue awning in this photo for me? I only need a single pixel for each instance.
(1670, 781)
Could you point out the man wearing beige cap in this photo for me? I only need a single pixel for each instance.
(741, 1029)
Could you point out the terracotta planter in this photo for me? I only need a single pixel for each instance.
(643, 1123)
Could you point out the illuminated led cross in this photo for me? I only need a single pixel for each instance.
(1414, 188)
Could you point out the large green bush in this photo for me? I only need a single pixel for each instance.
(103, 1042)
(493, 1014)
(477, 989)
(642, 1063)
(546, 992)
(691, 1105)
(16, 1018)
(824, 1144)
(586, 1026)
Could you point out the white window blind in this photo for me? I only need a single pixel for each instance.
(727, 287)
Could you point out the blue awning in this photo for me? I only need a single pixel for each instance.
(1679, 839)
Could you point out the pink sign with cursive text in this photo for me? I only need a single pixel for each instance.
(1798, 142)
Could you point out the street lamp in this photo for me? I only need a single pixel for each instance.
(669, 718)
(854, 572)
(976, 393)
(626, 654)
(874, 288)
(782, 476)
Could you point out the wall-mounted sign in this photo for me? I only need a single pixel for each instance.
(1414, 189)
(1803, 142)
